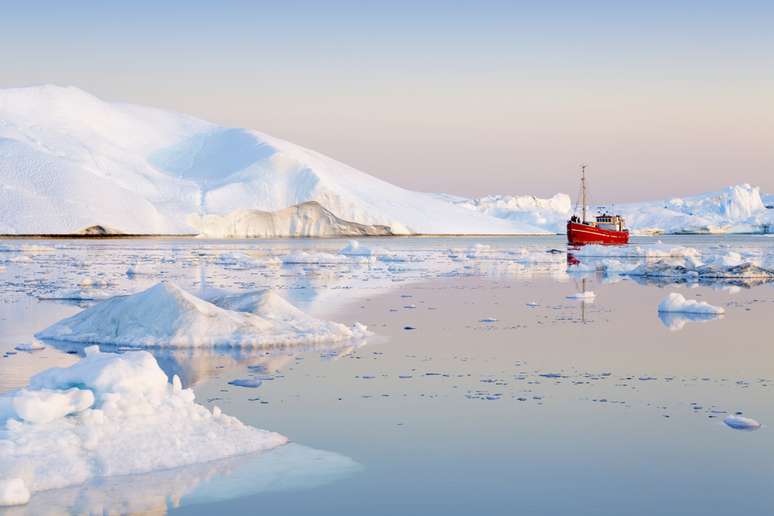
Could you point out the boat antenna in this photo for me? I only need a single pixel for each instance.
(583, 192)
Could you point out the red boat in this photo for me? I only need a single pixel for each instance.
(605, 229)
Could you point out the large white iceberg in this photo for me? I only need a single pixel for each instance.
(167, 315)
(69, 160)
(106, 415)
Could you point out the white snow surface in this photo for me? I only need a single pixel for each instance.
(167, 316)
(110, 414)
(676, 302)
(69, 160)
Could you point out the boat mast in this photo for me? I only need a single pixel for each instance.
(583, 192)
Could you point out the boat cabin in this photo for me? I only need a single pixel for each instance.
(609, 222)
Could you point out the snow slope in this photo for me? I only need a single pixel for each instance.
(69, 160)
(108, 415)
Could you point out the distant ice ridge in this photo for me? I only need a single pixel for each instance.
(69, 160)
(735, 209)
(167, 316)
(550, 214)
(108, 415)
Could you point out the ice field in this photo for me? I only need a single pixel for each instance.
(395, 367)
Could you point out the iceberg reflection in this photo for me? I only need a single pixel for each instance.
(675, 321)
(289, 467)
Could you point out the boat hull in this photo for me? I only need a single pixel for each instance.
(580, 234)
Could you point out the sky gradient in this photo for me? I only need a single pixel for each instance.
(468, 98)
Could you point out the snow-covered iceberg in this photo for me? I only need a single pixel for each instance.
(735, 209)
(69, 160)
(106, 415)
(166, 315)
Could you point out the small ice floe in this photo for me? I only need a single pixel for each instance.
(582, 295)
(355, 248)
(30, 346)
(236, 261)
(13, 491)
(319, 258)
(166, 315)
(251, 383)
(677, 303)
(739, 422)
(488, 320)
(110, 414)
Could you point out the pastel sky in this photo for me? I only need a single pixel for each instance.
(470, 98)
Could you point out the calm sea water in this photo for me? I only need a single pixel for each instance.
(484, 389)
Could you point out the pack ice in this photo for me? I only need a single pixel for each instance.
(166, 315)
(107, 415)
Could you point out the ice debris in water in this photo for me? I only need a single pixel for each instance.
(167, 315)
(110, 414)
(675, 302)
(582, 295)
(739, 422)
(13, 492)
(30, 346)
(251, 383)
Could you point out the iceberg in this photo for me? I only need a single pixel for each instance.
(166, 315)
(677, 303)
(69, 160)
(108, 415)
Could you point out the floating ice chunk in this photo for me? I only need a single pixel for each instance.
(13, 492)
(582, 295)
(318, 258)
(166, 315)
(355, 248)
(124, 417)
(738, 422)
(30, 346)
(238, 261)
(252, 383)
(676, 302)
